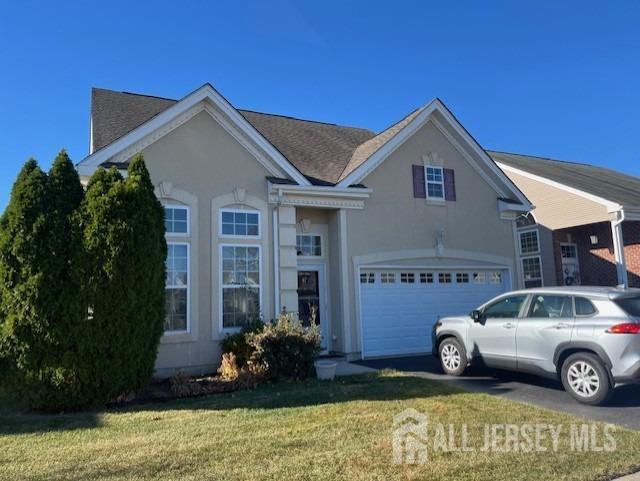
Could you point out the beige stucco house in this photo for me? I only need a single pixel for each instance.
(380, 234)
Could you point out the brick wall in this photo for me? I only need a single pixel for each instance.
(597, 262)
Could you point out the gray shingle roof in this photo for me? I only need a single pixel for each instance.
(321, 151)
(608, 184)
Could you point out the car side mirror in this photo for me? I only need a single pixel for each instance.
(476, 315)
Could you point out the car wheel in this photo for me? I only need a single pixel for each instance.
(452, 357)
(586, 379)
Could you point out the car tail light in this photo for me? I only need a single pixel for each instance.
(626, 328)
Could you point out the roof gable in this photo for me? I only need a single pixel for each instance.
(205, 98)
(600, 182)
(371, 154)
(319, 150)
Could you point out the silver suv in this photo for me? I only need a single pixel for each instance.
(588, 337)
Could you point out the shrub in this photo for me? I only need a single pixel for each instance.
(228, 369)
(238, 343)
(285, 349)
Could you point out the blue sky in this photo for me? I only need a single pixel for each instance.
(557, 79)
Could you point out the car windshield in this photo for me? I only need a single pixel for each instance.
(631, 305)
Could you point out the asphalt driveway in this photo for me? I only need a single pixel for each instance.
(622, 409)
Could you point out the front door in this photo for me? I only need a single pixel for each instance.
(311, 304)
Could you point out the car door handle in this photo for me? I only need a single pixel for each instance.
(561, 325)
(508, 325)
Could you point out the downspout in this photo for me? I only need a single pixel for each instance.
(618, 248)
(276, 255)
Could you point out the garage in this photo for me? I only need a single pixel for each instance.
(400, 306)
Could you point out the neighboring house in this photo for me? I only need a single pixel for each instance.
(585, 228)
(381, 234)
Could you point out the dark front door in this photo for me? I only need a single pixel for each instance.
(309, 297)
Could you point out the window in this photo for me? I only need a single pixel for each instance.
(309, 245)
(630, 305)
(367, 278)
(504, 308)
(525, 220)
(240, 285)
(568, 251)
(529, 242)
(426, 278)
(462, 278)
(387, 277)
(407, 277)
(495, 278)
(176, 219)
(479, 278)
(177, 287)
(584, 307)
(532, 272)
(444, 277)
(240, 223)
(435, 182)
(544, 306)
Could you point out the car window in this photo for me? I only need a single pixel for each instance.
(547, 306)
(508, 307)
(584, 307)
(630, 305)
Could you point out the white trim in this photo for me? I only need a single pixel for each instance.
(221, 286)
(525, 230)
(344, 281)
(172, 205)
(239, 211)
(186, 105)
(524, 279)
(618, 249)
(491, 259)
(310, 234)
(427, 182)
(276, 262)
(610, 205)
(408, 130)
(175, 332)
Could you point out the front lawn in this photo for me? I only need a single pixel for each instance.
(311, 430)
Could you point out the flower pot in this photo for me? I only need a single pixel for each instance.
(326, 370)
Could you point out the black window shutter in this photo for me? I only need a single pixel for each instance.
(419, 187)
(449, 184)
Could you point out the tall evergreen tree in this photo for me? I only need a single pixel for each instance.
(25, 274)
(146, 264)
(124, 238)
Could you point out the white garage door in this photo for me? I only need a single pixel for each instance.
(399, 307)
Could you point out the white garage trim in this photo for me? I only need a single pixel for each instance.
(387, 260)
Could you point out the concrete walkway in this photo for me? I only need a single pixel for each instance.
(346, 368)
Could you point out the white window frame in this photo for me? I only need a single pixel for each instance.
(232, 286)
(170, 205)
(575, 248)
(444, 275)
(427, 182)
(525, 231)
(463, 275)
(188, 289)
(524, 279)
(310, 234)
(239, 211)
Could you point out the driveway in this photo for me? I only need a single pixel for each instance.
(622, 409)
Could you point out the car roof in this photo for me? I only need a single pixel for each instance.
(586, 291)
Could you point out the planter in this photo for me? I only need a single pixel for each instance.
(326, 370)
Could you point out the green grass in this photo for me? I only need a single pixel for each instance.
(312, 430)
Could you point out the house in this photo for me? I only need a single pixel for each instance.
(585, 228)
(372, 235)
